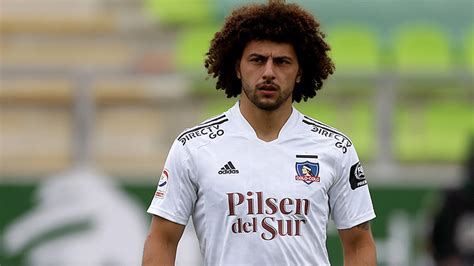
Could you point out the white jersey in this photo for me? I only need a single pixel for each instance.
(263, 203)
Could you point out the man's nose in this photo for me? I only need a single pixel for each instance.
(268, 73)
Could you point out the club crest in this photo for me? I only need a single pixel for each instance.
(307, 172)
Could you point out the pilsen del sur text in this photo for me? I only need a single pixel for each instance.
(276, 217)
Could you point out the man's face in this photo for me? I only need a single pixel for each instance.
(268, 71)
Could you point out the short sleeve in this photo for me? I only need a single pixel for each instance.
(175, 195)
(349, 196)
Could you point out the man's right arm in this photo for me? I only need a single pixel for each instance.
(162, 242)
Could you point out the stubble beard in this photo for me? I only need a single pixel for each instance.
(263, 102)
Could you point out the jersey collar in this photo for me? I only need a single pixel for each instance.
(249, 132)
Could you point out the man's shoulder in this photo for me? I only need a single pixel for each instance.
(321, 131)
(320, 127)
(208, 130)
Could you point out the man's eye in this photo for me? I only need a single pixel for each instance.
(256, 60)
(282, 62)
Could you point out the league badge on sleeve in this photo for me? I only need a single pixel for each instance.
(307, 172)
(162, 185)
(357, 176)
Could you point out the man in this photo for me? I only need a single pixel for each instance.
(262, 179)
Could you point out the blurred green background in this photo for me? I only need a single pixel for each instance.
(108, 84)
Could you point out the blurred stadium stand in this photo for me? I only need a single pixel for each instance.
(404, 77)
(122, 55)
(112, 82)
(112, 50)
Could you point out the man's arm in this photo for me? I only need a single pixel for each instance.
(162, 242)
(358, 245)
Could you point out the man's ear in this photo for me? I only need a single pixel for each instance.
(237, 69)
(298, 76)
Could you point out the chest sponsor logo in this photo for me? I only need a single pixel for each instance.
(342, 142)
(228, 168)
(307, 172)
(253, 213)
(357, 176)
(162, 185)
(212, 131)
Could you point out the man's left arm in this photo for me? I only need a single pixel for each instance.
(358, 245)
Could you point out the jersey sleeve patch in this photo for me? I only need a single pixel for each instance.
(357, 176)
(162, 185)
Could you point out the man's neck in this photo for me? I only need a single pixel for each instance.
(266, 124)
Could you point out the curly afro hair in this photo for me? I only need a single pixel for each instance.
(276, 22)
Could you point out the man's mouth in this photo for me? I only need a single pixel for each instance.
(267, 87)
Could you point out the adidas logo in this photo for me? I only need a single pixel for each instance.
(228, 168)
